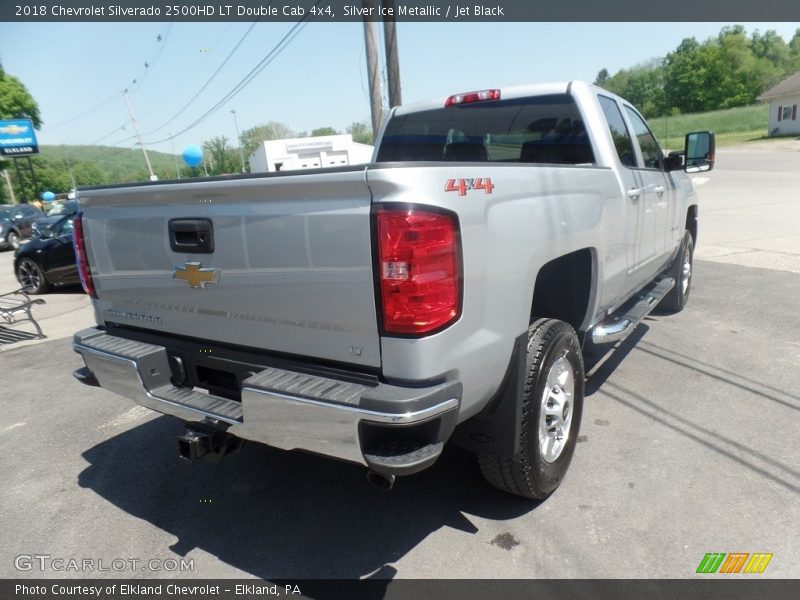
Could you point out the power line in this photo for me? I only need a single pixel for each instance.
(205, 85)
(87, 113)
(254, 72)
(112, 132)
(150, 62)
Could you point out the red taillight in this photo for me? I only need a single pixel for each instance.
(418, 269)
(80, 256)
(469, 97)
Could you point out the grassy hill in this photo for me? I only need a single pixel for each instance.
(731, 126)
(119, 165)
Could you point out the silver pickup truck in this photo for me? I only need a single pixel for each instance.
(444, 292)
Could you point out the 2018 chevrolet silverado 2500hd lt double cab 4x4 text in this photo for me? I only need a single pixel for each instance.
(443, 292)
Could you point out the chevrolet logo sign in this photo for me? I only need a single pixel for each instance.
(13, 129)
(196, 277)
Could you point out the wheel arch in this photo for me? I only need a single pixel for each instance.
(691, 222)
(569, 299)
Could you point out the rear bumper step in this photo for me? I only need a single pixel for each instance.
(618, 327)
(286, 409)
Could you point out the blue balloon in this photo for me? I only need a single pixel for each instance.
(193, 155)
(48, 196)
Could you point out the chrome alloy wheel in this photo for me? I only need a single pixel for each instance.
(29, 275)
(687, 272)
(13, 240)
(555, 416)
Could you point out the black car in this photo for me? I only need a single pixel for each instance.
(16, 223)
(54, 214)
(49, 259)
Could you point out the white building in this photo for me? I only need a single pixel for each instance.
(309, 153)
(783, 100)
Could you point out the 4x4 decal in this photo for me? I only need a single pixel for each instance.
(462, 186)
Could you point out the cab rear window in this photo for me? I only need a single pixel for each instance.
(541, 129)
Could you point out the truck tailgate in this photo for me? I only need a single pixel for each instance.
(290, 270)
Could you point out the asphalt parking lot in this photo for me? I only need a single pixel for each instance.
(689, 445)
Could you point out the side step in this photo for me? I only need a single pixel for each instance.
(617, 327)
(402, 458)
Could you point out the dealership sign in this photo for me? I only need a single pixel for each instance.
(17, 138)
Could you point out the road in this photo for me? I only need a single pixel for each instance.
(688, 445)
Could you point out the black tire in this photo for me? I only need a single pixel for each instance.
(31, 277)
(12, 239)
(529, 474)
(677, 298)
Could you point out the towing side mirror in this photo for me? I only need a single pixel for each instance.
(674, 161)
(699, 151)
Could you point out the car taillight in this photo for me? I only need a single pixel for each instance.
(80, 256)
(418, 269)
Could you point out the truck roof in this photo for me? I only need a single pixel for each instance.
(506, 92)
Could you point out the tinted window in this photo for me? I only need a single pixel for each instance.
(30, 211)
(541, 129)
(63, 208)
(651, 153)
(619, 131)
(66, 227)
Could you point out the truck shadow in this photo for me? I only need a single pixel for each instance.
(291, 515)
(602, 362)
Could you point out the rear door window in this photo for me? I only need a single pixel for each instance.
(540, 129)
(651, 152)
(619, 131)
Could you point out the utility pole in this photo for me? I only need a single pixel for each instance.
(174, 156)
(7, 177)
(375, 100)
(69, 167)
(236, 124)
(138, 135)
(392, 60)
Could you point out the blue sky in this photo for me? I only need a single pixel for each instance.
(318, 80)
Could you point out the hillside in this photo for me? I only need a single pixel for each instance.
(119, 165)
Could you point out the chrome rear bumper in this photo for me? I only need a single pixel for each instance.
(284, 409)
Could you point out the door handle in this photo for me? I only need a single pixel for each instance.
(634, 193)
(193, 236)
(660, 189)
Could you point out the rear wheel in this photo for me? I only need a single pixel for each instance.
(30, 276)
(552, 404)
(12, 239)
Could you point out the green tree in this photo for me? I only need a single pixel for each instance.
(87, 173)
(223, 157)
(794, 53)
(744, 74)
(689, 71)
(324, 131)
(642, 85)
(253, 137)
(361, 132)
(15, 100)
(15, 103)
(771, 47)
(602, 77)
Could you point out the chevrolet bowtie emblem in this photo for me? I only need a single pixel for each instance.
(196, 277)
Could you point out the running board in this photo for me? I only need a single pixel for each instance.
(617, 327)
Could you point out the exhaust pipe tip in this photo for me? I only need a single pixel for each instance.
(379, 480)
